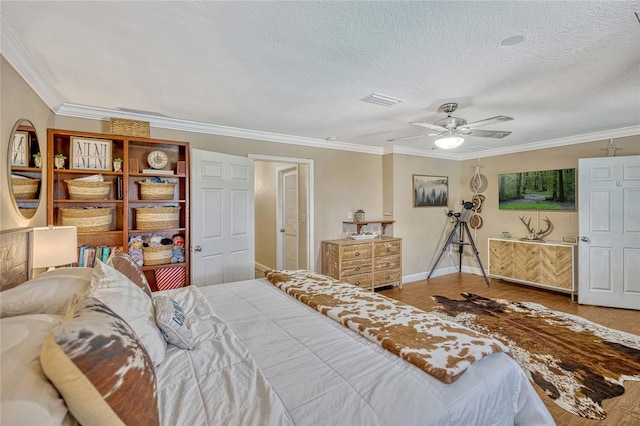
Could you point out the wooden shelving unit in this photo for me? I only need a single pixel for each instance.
(127, 198)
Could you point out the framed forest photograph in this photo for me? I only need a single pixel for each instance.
(539, 190)
(430, 191)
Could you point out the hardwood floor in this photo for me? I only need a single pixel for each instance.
(624, 410)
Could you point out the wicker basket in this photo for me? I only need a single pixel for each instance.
(156, 190)
(27, 212)
(80, 190)
(88, 220)
(156, 255)
(120, 126)
(157, 217)
(25, 189)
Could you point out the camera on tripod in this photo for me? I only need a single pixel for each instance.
(465, 213)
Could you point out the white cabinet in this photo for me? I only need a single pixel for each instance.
(542, 264)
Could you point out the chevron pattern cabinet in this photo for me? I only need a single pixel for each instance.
(543, 264)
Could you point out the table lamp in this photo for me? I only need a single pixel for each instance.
(54, 246)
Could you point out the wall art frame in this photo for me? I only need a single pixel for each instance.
(90, 154)
(554, 189)
(430, 191)
(20, 149)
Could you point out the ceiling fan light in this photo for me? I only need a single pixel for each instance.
(449, 141)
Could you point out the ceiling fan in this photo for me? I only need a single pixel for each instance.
(452, 129)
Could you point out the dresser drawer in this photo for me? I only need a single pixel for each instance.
(353, 267)
(386, 248)
(387, 262)
(356, 251)
(360, 280)
(382, 278)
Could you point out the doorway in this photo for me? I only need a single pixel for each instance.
(283, 213)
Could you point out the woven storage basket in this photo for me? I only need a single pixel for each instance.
(120, 126)
(80, 190)
(157, 217)
(156, 190)
(156, 255)
(25, 189)
(88, 220)
(27, 212)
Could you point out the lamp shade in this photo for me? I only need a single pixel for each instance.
(449, 141)
(54, 246)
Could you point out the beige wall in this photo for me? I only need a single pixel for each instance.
(19, 101)
(420, 228)
(494, 221)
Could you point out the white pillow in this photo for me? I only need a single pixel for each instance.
(48, 293)
(132, 304)
(173, 322)
(28, 398)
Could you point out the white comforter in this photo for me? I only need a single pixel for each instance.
(325, 374)
(216, 383)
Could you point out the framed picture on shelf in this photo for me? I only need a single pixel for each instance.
(20, 149)
(90, 154)
(430, 191)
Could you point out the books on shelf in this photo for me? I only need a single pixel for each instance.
(157, 172)
(88, 255)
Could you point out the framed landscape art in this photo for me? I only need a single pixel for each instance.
(430, 191)
(539, 190)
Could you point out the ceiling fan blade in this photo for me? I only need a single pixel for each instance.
(431, 126)
(487, 121)
(498, 134)
(406, 137)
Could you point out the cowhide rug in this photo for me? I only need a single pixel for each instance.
(576, 362)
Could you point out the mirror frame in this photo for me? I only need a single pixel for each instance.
(14, 201)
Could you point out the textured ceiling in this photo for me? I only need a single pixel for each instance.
(298, 70)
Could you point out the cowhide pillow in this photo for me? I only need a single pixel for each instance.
(99, 366)
(132, 305)
(173, 322)
(124, 264)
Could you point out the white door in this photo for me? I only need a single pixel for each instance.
(287, 240)
(222, 223)
(609, 247)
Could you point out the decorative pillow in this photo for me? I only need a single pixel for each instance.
(48, 293)
(102, 370)
(124, 264)
(173, 322)
(28, 398)
(132, 304)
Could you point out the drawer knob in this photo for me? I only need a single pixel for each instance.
(388, 250)
(357, 268)
(387, 278)
(388, 263)
(357, 283)
(357, 253)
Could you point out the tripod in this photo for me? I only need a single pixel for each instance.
(462, 227)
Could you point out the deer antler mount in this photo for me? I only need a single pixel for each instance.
(533, 235)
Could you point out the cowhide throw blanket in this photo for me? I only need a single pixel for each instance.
(440, 347)
(576, 362)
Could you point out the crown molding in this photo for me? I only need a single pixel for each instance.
(95, 113)
(13, 51)
(554, 143)
(418, 152)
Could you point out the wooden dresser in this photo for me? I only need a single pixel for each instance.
(549, 265)
(366, 263)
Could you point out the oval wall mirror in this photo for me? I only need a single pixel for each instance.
(25, 168)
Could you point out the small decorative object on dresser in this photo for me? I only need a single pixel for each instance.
(358, 216)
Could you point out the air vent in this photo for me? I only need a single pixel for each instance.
(380, 99)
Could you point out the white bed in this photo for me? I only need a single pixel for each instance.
(258, 357)
(327, 374)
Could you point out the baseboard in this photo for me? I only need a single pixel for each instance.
(439, 272)
(261, 269)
